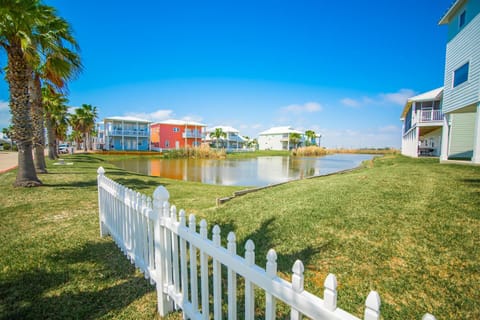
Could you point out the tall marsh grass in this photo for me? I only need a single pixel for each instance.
(309, 151)
(202, 152)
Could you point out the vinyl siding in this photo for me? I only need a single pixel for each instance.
(471, 8)
(465, 47)
(461, 136)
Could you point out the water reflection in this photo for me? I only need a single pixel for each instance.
(259, 171)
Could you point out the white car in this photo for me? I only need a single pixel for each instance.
(63, 148)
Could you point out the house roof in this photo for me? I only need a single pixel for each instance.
(280, 130)
(224, 129)
(182, 123)
(132, 119)
(451, 11)
(432, 95)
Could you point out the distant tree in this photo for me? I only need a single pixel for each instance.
(83, 121)
(8, 133)
(56, 115)
(310, 135)
(295, 139)
(217, 134)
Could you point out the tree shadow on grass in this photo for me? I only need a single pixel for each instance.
(263, 237)
(73, 184)
(87, 282)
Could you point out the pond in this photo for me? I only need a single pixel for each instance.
(256, 172)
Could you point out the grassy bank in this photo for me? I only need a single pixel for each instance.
(406, 228)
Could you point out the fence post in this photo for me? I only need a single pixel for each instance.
(101, 204)
(160, 196)
(271, 269)
(297, 285)
(372, 306)
(330, 292)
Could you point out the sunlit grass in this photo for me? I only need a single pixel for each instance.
(406, 228)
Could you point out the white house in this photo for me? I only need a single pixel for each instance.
(277, 138)
(461, 95)
(232, 139)
(422, 119)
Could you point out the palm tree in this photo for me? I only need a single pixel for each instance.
(19, 23)
(56, 115)
(83, 121)
(27, 29)
(53, 67)
(217, 134)
(295, 139)
(311, 136)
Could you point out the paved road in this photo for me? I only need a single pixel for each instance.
(8, 161)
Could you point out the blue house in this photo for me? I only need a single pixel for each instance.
(126, 134)
(461, 94)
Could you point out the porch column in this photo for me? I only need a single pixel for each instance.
(445, 140)
(476, 137)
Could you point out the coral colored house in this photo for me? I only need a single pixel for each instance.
(176, 134)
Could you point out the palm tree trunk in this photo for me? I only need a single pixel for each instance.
(38, 126)
(17, 76)
(52, 154)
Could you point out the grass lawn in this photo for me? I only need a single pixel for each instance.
(408, 228)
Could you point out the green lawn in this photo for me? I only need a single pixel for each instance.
(409, 229)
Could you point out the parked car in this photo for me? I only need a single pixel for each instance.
(63, 148)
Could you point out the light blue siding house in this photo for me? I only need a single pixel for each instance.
(422, 119)
(461, 95)
(126, 134)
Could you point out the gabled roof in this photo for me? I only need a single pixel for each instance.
(131, 119)
(280, 130)
(224, 129)
(451, 11)
(432, 95)
(182, 123)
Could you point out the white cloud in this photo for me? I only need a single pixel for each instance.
(399, 97)
(4, 114)
(154, 116)
(350, 102)
(388, 136)
(4, 106)
(303, 108)
(396, 98)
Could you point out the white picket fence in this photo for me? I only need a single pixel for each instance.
(167, 251)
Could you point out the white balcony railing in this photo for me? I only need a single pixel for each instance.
(135, 133)
(429, 115)
(193, 135)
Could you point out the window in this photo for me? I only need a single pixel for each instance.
(176, 129)
(460, 75)
(461, 19)
(167, 144)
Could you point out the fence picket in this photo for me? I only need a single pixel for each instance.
(232, 278)
(217, 277)
(183, 262)
(204, 273)
(153, 237)
(330, 292)
(193, 265)
(297, 286)
(249, 287)
(271, 269)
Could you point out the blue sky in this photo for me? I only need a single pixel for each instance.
(343, 71)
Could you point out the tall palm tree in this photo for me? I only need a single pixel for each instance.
(57, 63)
(56, 115)
(83, 121)
(217, 134)
(28, 31)
(19, 22)
(295, 139)
(311, 136)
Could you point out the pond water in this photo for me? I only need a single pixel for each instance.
(257, 172)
